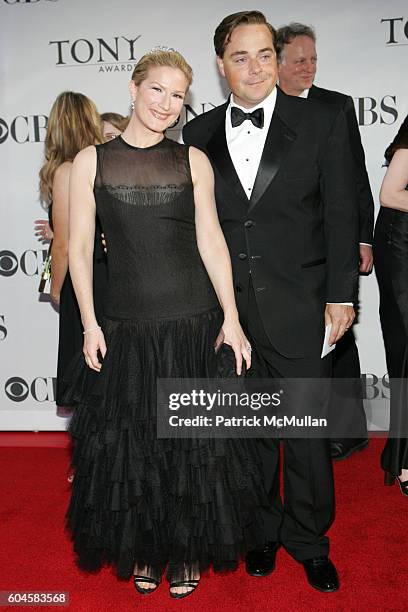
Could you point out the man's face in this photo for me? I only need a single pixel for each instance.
(298, 67)
(249, 64)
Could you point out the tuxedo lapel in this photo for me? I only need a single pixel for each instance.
(217, 149)
(278, 142)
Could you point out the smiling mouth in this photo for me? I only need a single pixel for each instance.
(158, 115)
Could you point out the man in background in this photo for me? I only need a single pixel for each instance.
(297, 63)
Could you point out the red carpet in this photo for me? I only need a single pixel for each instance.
(369, 546)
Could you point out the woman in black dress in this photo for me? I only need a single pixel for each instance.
(138, 502)
(391, 266)
(73, 124)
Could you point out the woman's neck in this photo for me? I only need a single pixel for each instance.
(139, 136)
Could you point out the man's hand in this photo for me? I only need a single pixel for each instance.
(341, 318)
(366, 259)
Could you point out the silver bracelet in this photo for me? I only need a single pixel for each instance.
(91, 329)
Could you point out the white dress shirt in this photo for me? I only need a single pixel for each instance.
(246, 142)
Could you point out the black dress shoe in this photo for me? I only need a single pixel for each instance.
(341, 449)
(262, 562)
(321, 574)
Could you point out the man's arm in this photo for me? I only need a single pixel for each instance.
(341, 226)
(364, 195)
(340, 213)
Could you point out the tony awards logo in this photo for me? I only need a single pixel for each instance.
(117, 54)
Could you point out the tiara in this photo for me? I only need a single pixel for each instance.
(160, 48)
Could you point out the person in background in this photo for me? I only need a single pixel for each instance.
(113, 124)
(73, 124)
(297, 63)
(391, 267)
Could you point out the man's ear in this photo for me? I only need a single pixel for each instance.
(220, 64)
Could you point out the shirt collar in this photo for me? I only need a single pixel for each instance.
(304, 94)
(268, 104)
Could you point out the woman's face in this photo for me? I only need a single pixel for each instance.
(159, 98)
(109, 131)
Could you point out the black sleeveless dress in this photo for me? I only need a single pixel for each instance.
(70, 338)
(137, 498)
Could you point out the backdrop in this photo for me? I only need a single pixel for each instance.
(48, 46)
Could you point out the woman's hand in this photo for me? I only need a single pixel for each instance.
(42, 230)
(233, 335)
(94, 341)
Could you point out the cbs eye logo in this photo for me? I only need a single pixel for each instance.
(4, 131)
(41, 389)
(16, 389)
(8, 263)
(30, 262)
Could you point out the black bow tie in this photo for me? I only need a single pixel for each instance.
(238, 116)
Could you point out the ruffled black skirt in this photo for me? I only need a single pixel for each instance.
(157, 502)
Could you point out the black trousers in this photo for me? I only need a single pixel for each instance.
(301, 519)
(391, 268)
(346, 403)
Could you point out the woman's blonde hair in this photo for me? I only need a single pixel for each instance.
(73, 124)
(172, 59)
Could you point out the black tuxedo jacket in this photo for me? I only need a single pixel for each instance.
(364, 195)
(297, 237)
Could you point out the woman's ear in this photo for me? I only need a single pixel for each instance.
(132, 90)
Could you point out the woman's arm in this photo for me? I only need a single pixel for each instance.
(81, 245)
(214, 253)
(393, 193)
(60, 220)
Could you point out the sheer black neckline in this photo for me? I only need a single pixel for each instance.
(141, 148)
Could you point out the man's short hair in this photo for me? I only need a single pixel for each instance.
(224, 30)
(286, 34)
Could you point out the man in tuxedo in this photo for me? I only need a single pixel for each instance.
(286, 203)
(297, 62)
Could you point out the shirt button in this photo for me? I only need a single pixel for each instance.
(247, 159)
(249, 223)
(242, 256)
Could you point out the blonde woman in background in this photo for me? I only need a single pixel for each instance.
(73, 124)
(113, 124)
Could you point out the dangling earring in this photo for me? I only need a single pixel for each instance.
(174, 124)
(132, 105)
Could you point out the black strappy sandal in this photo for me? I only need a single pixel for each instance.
(183, 583)
(137, 578)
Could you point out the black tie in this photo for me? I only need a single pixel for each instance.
(238, 116)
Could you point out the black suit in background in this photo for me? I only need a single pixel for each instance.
(294, 247)
(364, 196)
(346, 363)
